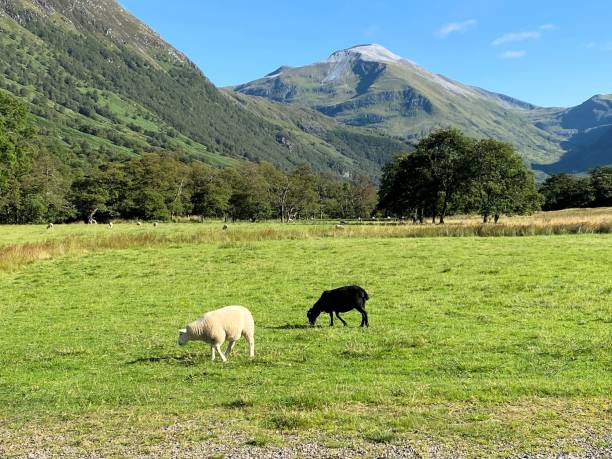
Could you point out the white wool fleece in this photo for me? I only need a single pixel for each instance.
(215, 327)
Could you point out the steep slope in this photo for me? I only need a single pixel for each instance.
(587, 133)
(331, 142)
(102, 84)
(367, 85)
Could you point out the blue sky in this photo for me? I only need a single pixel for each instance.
(551, 53)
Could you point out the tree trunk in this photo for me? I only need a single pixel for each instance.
(443, 213)
(91, 218)
(496, 218)
(485, 218)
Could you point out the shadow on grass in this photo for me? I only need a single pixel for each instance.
(289, 327)
(184, 359)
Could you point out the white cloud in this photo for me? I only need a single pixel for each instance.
(455, 27)
(605, 46)
(512, 54)
(549, 27)
(516, 36)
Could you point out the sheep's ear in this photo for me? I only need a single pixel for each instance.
(183, 330)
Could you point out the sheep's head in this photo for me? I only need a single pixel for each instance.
(312, 315)
(183, 336)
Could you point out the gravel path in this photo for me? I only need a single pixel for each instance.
(300, 450)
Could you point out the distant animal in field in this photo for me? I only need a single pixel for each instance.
(50, 226)
(225, 227)
(138, 223)
(339, 227)
(155, 224)
(215, 327)
(110, 225)
(339, 300)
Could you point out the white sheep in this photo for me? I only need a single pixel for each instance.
(138, 223)
(340, 227)
(228, 323)
(110, 225)
(155, 224)
(225, 226)
(50, 226)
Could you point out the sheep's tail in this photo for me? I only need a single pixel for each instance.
(365, 295)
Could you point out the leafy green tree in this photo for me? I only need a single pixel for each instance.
(89, 196)
(500, 183)
(364, 198)
(46, 188)
(302, 197)
(279, 188)
(429, 181)
(151, 205)
(250, 199)
(211, 189)
(162, 181)
(601, 181)
(16, 136)
(563, 191)
(443, 170)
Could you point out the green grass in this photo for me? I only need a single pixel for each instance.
(476, 345)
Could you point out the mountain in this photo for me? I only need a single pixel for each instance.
(103, 85)
(587, 133)
(368, 85)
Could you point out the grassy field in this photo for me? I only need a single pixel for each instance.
(477, 345)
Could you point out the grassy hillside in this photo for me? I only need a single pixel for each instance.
(330, 142)
(369, 86)
(462, 357)
(103, 85)
(586, 131)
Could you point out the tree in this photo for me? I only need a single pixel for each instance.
(499, 181)
(406, 187)
(45, 190)
(601, 182)
(16, 136)
(158, 179)
(444, 152)
(211, 189)
(562, 191)
(88, 194)
(429, 180)
(279, 186)
(363, 192)
(250, 199)
(302, 197)
(328, 190)
(451, 172)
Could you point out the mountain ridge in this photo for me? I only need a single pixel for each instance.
(368, 85)
(102, 84)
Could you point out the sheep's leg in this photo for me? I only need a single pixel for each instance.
(364, 316)
(218, 349)
(331, 319)
(230, 346)
(212, 348)
(251, 341)
(341, 319)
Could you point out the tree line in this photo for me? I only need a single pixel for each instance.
(38, 186)
(447, 173)
(451, 173)
(562, 191)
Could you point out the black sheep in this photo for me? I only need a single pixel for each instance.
(339, 300)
